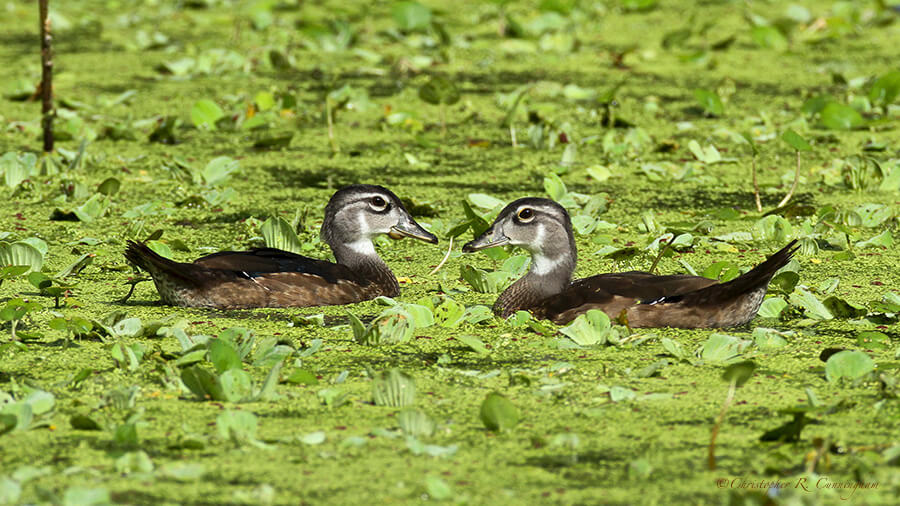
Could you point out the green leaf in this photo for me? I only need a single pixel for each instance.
(769, 37)
(439, 90)
(848, 364)
(811, 306)
(223, 355)
(739, 373)
(873, 339)
(236, 385)
(884, 239)
(83, 422)
(754, 149)
(589, 328)
(794, 140)
(437, 488)
(237, 426)
(769, 339)
(394, 388)
(555, 187)
(415, 423)
(202, 383)
(449, 313)
(710, 102)
(772, 307)
(302, 377)
(110, 186)
(721, 348)
(21, 253)
(94, 208)
(279, 234)
(885, 89)
(837, 116)
(498, 414)
(840, 308)
(218, 170)
(205, 113)
(473, 342)
(411, 16)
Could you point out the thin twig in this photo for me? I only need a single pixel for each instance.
(46, 76)
(444, 260)
(793, 186)
(329, 118)
(756, 186)
(512, 135)
(661, 252)
(719, 420)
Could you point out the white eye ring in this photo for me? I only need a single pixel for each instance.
(378, 203)
(525, 215)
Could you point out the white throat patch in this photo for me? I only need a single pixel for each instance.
(363, 247)
(542, 265)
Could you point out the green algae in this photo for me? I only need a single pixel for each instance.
(557, 391)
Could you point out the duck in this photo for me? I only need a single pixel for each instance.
(269, 277)
(543, 228)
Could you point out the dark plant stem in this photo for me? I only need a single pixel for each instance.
(715, 430)
(46, 76)
(755, 186)
(793, 186)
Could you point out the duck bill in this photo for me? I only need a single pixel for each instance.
(407, 227)
(491, 237)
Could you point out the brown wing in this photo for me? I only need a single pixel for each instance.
(256, 278)
(266, 260)
(614, 292)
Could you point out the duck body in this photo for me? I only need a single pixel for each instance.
(641, 299)
(268, 277)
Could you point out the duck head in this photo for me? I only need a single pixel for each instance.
(357, 213)
(540, 226)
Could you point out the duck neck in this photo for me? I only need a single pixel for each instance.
(361, 258)
(547, 276)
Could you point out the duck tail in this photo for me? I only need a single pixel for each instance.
(142, 256)
(760, 275)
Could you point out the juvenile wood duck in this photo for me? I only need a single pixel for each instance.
(543, 228)
(268, 277)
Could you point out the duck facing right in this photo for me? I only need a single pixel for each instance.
(543, 228)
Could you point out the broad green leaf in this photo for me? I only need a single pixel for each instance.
(21, 253)
(837, 116)
(555, 187)
(411, 16)
(739, 373)
(769, 339)
(279, 234)
(710, 102)
(769, 37)
(415, 423)
(772, 307)
(884, 239)
(437, 488)
(498, 414)
(205, 113)
(94, 208)
(236, 385)
(810, 304)
(794, 140)
(237, 426)
(302, 377)
(874, 340)
(473, 343)
(589, 328)
(885, 89)
(218, 170)
(394, 388)
(223, 355)
(841, 308)
(439, 90)
(848, 364)
(723, 348)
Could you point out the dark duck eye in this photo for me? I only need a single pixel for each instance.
(526, 215)
(378, 203)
